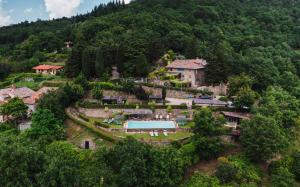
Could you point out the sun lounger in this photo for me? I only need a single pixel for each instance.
(156, 116)
(110, 121)
(151, 134)
(161, 117)
(165, 133)
(168, 117)
(156, 133)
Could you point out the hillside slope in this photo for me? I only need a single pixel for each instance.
(259, 38)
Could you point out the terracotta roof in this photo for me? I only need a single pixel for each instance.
(24, 93)
(239, 115)
(188, 64)
(46, 67)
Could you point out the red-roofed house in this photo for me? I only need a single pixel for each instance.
(191, 70)
(48, 69)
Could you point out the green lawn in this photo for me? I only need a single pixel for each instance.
(160, 137)
(187, 125)
(19, 79)
(76, 134)
(31, 85)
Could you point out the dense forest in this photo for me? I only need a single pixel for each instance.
(254, 45)
(260, 38)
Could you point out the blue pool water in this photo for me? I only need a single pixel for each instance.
(151, 125)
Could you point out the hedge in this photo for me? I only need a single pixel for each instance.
(106, 86)
(86, 104)
(84, 117)
(190, 90)
(53, 83)
(97, 123)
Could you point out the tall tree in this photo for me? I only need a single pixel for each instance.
(45, 125)
(142, 66)
(88, 62)
(62, 167)
(20, 161)
(207, 130)
(100, 63)
(73, 65)
(262, 138)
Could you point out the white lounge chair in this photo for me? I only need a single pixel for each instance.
(168, 117)
(165, 133)
(156, 133)
(161, 117)
(151, 134)
(156, 116)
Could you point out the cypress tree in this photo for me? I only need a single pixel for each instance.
(73, 65)
(88, 62)
(99, 64)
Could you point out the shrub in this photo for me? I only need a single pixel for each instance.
(106, 86)
(97, 123)
(169, 109)
(238, 170)
(283, 178)
(84, 117)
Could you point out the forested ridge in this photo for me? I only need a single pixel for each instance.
(259, 38)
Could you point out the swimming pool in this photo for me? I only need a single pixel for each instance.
(150, 125)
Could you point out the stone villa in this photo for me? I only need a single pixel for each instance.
(190, 70)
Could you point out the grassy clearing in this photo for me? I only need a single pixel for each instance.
(160, 137)
(30, 80)
(76, 134)
(187, 125)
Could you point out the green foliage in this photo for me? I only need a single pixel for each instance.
(296, 165)
(15, 107)
(56, 101)
(62, 166)
(73, 65)
(20, 161)
(45, 125)
(207, 129)
(82, 81)
(262, 138)
(142, 66)
(281, 105)
(169, 109)
(238, 82)
(203, 180)
(88, 62)
(283, 178)
(138, 164)
(97, 93)
(99, 63)
(239, 171)
(100, 124)
(245, 97)
(206, 124)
